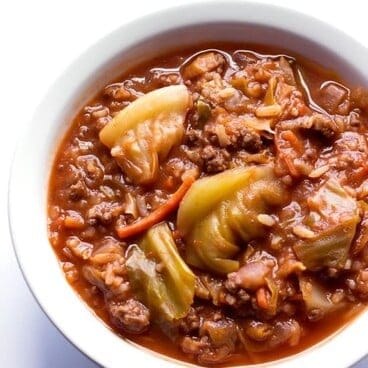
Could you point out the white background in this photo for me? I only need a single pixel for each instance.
(38, 40)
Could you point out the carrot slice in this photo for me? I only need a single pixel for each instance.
(261, 298)
(159, 214)
(288, 147)
(294, 141)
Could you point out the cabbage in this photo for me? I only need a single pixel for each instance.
(219, 213)
(329, 244)
(169, 292)
(141, 135)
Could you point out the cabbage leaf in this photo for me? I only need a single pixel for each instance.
(219, 214)
(159, 276)
(142, 134)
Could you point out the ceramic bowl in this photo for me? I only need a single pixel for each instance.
(101, 63)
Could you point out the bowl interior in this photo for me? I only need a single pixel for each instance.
(129, 45)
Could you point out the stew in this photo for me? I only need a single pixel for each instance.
(211, 204)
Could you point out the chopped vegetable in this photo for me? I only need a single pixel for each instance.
(249, 89)
(220, 210)
(269, 98)
(294, 141)
(159, 214)
(329, 248)
(143, 133)
(130, 206)
(203, 110)
(270, 107)
(261, 296)
(289, 147)
(260, 125)
(274, 290)
(170, 292)
(330, 244)
(240, 83)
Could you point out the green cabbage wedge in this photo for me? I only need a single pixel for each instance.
(141, 135)
(169, 292)
(339, 216)
(218, 215)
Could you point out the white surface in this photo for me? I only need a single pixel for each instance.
(38, 40)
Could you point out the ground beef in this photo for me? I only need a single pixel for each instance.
(104, 212)
(214, 159)
(196, 138)
(233, 135)
(192, 321)
(91, 170)
(78, 191)
(212, 147)
(211, 159)
(242, 137)
(132, 316)
(361, 283)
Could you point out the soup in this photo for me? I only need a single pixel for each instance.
(210, 204)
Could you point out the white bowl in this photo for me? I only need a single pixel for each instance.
(179, 26)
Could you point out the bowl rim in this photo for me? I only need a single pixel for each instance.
(230, 12)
